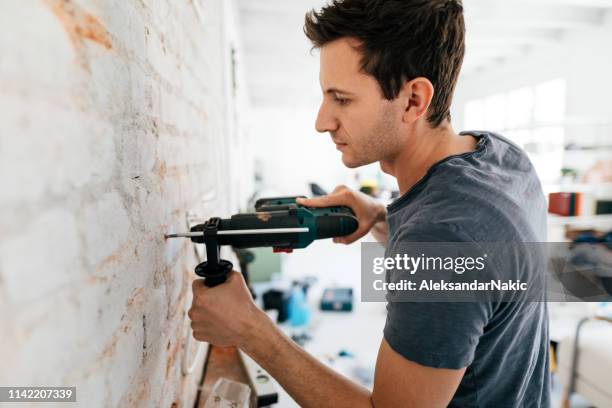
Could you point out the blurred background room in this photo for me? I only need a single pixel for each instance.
(537, 72)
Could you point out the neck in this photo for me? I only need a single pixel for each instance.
(421, 150)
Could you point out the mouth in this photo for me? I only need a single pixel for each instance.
(340, 145)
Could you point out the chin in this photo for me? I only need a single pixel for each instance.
(353, 162)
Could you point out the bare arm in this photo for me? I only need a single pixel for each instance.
(398, 381)
(380, 232)
(309, 382)
(226, 315)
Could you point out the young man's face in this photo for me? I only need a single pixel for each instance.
(362, 123)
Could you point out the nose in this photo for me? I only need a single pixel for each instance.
(326, 121)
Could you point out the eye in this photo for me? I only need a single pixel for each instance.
(341, 101)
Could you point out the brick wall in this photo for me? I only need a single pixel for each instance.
(114, 125)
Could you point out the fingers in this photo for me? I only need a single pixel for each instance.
(340, 196)
(323, 201)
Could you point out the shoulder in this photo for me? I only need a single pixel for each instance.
(492, 194)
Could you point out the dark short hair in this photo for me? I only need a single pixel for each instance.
(399, 40)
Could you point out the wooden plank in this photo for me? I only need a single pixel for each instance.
(223, 362)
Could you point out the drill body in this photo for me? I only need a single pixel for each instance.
(277, 222)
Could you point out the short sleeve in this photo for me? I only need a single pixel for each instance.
(436, 334)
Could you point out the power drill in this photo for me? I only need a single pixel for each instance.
(277, 222)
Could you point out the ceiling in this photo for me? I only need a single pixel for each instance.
(281, 70)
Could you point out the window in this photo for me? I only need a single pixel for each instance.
(532, 117)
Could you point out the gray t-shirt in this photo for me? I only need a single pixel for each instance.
(489, 195)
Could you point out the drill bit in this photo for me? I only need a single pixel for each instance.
(240, 232)
(184, 235)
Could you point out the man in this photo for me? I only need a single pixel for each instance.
(388, 69)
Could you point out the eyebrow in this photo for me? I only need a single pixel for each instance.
(339, 91)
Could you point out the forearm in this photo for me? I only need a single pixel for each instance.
(308, 381)
(380, 231)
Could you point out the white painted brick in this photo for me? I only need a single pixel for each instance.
(42, 258)
(103, 149)
(28, 22)
(40, 344)
(106, 226)
(82, 145)
(125, 22)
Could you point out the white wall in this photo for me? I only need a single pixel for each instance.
(113, 124)
(291, 153)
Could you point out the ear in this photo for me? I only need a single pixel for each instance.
(417, 95)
